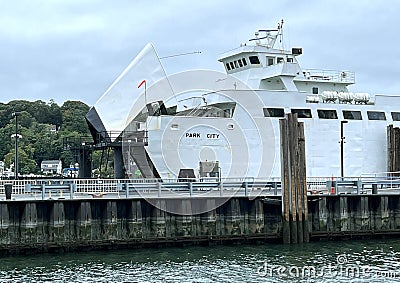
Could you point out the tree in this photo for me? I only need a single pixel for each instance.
(26, 165)
(39, 140)
(73, 117)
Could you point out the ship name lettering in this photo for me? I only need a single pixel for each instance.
(192, 135)
(213, 136)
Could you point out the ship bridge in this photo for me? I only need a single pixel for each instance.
(262, 66)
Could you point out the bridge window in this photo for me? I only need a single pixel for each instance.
(314, 90)
(236, 64)
(375, 115)
(396, 116)
(240, 63)
(290, 60)
(352, 115)
(228, 67)
(274, 112)
(254, 60)
(302, 113)
(327, 114)
(279, 60)
(232, 67)
(244, 61)
(270, 61)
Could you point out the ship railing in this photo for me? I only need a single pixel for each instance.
(327, 75)
(131, 137)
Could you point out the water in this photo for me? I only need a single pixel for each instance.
(350, 261)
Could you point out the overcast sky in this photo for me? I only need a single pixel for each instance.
(74, 49)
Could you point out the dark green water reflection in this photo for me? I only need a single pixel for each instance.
(349, 261)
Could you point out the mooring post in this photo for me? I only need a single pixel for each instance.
(374, 189)
(285, 181)
(8, 191)
(390, 149)
(292, 142)
(303, 182)
(294, 183)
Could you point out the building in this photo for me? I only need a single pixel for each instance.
(51, 167)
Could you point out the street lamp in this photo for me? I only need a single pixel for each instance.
(342, 142)
(16, 114)
(129, 159)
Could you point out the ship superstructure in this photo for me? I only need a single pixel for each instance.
(206, 124)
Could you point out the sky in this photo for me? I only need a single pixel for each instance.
(74, 49)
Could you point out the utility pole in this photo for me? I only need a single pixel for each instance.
(342, 142)
(16, 114)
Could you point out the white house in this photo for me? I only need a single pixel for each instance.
(51, 166)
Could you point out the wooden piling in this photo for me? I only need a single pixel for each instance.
(393, 150)
(294, 188)
(283, 123)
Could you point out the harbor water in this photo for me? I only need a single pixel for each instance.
(343, 261)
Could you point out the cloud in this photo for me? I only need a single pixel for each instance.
(73, 50)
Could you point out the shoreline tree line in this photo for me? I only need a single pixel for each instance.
(43, 127)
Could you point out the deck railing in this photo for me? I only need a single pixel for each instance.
(213, 187)
(328, 75)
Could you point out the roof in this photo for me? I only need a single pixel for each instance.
(44, 162)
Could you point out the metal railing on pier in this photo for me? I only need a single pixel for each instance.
(182, 188)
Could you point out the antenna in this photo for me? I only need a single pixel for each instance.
(270, 36)
(280, 27)
(181, 54)
(176, 55)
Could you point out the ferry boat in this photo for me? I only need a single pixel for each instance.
(206, 124)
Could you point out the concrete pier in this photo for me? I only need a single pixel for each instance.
(65, 225)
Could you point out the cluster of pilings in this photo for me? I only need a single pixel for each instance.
(339, 216)
(393, 150)
(68, 225)
(71, 224)
(294, 183)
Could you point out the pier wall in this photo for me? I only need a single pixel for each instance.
(63, 225)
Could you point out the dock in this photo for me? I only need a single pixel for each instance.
(56, 215)
(75, 214)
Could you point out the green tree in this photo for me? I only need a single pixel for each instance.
(26, 165)
(73, 117)
(36, 125)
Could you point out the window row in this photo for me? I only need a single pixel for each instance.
(331, 114)
(271, 60)
(236, 64)
(254, 60)
(242, 63)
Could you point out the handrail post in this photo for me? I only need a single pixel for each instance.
(190, 185)
(275, 184)
(71, 190)
(245, 184)
(43, 187)
(221, 187)
(159, 188)
(126, 190)
(359, 185)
